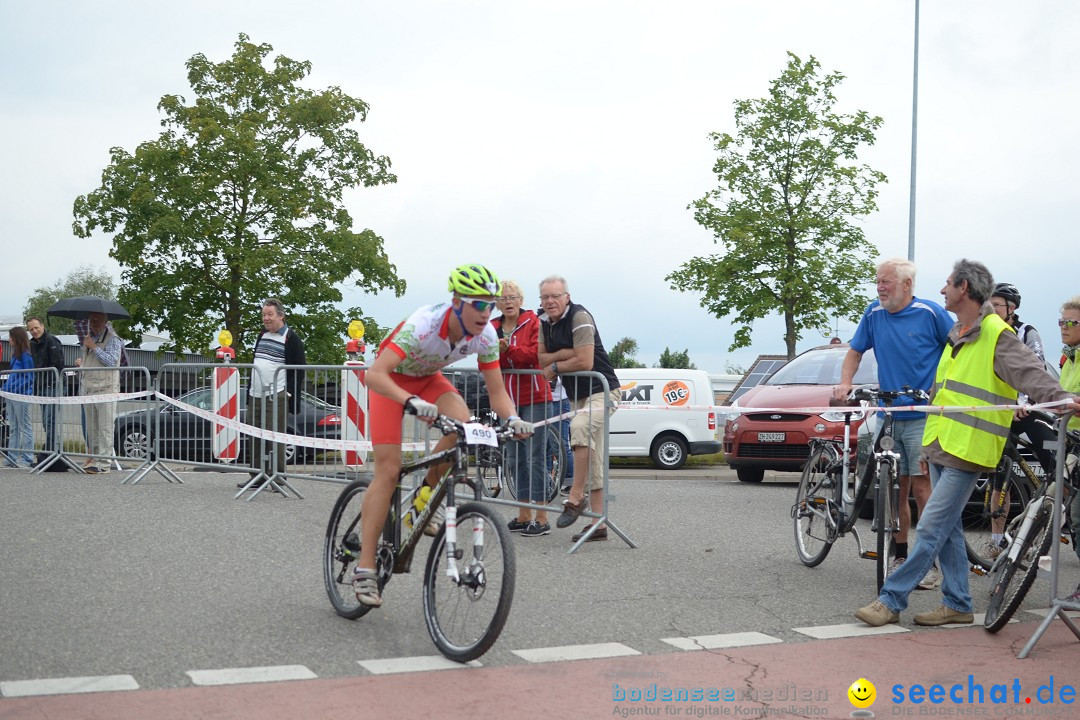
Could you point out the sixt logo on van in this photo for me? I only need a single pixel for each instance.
(632, 392)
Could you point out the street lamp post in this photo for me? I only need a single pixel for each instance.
(914, 140)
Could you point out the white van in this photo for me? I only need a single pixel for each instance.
(667, 415)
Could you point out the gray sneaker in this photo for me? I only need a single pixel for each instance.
(990, 550)
(894, 565)
(932, 579)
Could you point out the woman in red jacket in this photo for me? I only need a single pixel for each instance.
(519, 332)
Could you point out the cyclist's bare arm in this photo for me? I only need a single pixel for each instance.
(847, 374)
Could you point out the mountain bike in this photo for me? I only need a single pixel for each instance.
(468, 583)
(1028, 538)
(495, 471)
(1001, 495)
(829, 496)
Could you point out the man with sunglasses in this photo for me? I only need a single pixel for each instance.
(407, 373)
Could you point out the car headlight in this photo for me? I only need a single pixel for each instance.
(837, 416)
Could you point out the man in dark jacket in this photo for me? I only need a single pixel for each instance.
(273, 395)
(47, 353)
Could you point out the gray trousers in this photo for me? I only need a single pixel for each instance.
(261, 413)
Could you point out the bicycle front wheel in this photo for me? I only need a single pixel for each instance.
(814, 512)
(1012, 578)
(465, 616)
(341, 551)
(887, 520)
(979, 519)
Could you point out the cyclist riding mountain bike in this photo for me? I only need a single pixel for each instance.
(407, 374)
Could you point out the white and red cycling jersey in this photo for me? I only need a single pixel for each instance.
(422, 342)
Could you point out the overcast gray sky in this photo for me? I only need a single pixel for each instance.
(569, 137)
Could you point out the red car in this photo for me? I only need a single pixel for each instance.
(778, 439)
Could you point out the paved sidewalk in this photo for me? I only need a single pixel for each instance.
(806, 680)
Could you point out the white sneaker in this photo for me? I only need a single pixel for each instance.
(990, 550)
(894, 565)
(932, 579)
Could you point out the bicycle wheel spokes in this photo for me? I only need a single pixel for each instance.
(1012, 578)
(341, 551)
(888, 522)
(986, 512)
(489, 470)
(465, 616)
(556, 462)
(814, 513)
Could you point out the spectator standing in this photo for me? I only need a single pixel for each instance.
(102, 348)
(1070, 382)
(271, 396)
(48, 353)
(570, 342)
(519, 334)
(907, 334)
(21, 433)
(984, 364)
(82, 329)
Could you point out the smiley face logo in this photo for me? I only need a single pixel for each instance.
(862, 693)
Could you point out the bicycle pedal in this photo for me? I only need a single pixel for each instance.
(978, 570)
(869, 554)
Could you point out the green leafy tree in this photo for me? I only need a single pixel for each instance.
(789, 189)
(675, 360)
(624, 354)
(79, 282)
(240, 199)
(733, 368)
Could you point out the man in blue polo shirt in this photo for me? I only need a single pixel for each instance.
(907, 334)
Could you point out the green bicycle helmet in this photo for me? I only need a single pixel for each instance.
(469, 280)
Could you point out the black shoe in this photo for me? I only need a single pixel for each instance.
(535, 529)
(600, 534)
(517, 526)
(571, 512)
(244, 484)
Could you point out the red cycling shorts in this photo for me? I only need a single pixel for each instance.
(385, 414)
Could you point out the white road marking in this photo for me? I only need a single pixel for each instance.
(575, 652)
(827, 632)
(729, 640)
(238, 676)
(421, 663)
(65, 686)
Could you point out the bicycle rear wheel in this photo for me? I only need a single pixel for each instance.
(978, 515)
(814, 512)
(1012, 578)
(341, 551)
(556, 462)
(887, 520)
(464, 617)
(491, 471)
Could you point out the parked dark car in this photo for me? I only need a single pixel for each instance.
(185, 436)
(778, 439)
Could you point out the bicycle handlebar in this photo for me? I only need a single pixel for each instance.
(449, 426)
(889, 396)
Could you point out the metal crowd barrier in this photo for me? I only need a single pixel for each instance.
(470, 384)
(70, 424)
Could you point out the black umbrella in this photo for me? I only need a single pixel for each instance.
(78, 308)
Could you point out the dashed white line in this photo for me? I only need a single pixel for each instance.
(238, 676)
(65, 686)
(729, 640)
(575, 652)
(828, 632)
(422, 663)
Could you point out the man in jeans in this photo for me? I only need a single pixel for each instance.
(570, 342)
(984, 364)
(906, 334)
(48, 353)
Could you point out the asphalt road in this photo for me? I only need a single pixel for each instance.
(156, 580)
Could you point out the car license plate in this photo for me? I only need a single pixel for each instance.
(771, 437)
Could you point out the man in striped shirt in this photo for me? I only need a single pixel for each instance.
(272, 394)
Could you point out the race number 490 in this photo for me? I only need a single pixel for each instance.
(480, 434)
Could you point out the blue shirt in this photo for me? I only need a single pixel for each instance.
(907, 344)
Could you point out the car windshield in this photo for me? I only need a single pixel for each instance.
(822, 366)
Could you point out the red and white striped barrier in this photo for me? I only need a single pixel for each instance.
(354, 404)
(226, 441)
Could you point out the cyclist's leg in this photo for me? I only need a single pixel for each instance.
(377, 501)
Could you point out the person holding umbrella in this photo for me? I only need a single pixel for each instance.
(102, 348)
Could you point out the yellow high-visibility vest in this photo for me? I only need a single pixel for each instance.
(968, 379)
